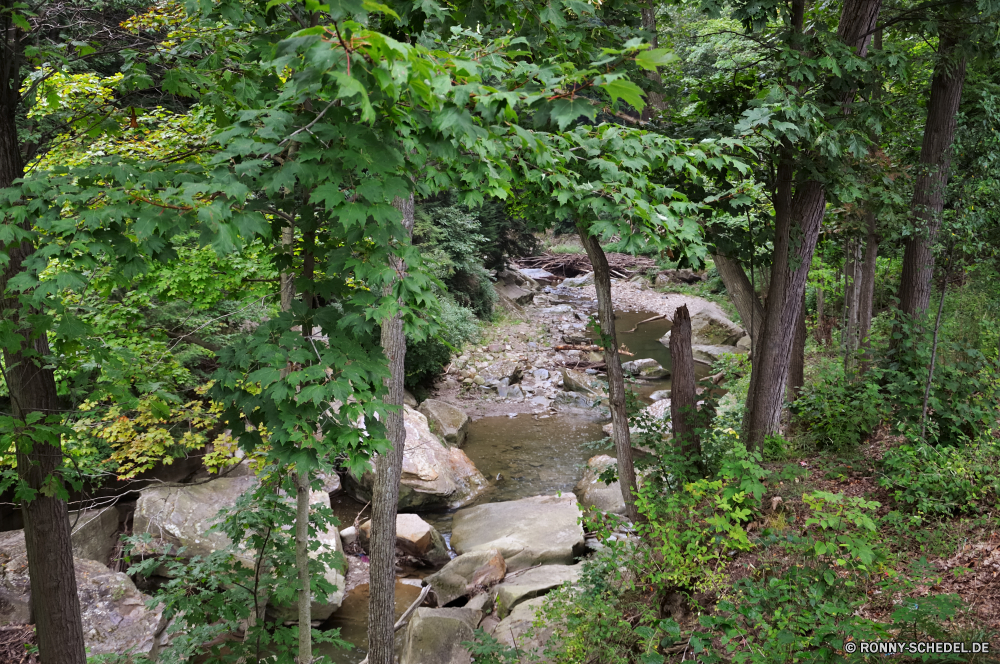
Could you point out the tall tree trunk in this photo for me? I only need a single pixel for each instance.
(932, 178)
(683, 390)
(797, 229)
(852, 292)
(388, 469)
(797, 366)
(616, 378)
(654, 99)
(32, 388)
(742, 294)
(867, 292)
(820, 324)
(302, 565)
(934, 347)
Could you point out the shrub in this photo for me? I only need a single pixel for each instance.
(426, 358)
(840, 413)
(943, 480)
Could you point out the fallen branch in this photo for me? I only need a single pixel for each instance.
(648, 320)
(403, 619)
(578, 347)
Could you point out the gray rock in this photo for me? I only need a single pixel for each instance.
(497, 371)
(114, 613)
(95, 533)
(434, 475)
(537, 530)
(579, 381)
(515, 293)
(533, 583)
(539, 275)
(710, 328)
(592, 492)
(541, 374)
(409, 399)
(681, 276)
(744, 342)
(645, 368)
(436, 636)
(447, 421)
(515, 393)
(706, 354)
(466, 574)
(558, 309)
(518, 630)
(182, 517)
(660, 395)
(578, 282)
(414, 536)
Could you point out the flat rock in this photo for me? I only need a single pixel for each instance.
(709, 355)
(533, 583)
(466, 574)
(114, 613)
(95, 533)
(578, 381)
(498, 371)
(592, 492)
(707, 327)
(416, 537)
(518, 631)
(435, 636)
(515, 293)
(660, 395)
(449, 422)
(744, 342)
(434, 475)
(538, 530)
(539, 275)
(645, 368)
(578, 282)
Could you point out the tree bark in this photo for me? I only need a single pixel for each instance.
(32, 388)
(302, 565)
(820, 324)
(797, 366)
(654, 99)
(852, 293)
(932, 179)
(616, 378)
(742, 294)
(934, 347)
(388, 469)
(867, 292)
(683, 388)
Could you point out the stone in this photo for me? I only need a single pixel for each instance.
(592, 492)
(95, 533)
(707, 354)
(579, 381)
(517, 630)
(541, 276)
(660, 395)
(466, 574)
(415, 537)
(578, 282)
(409, 399)
(538, 530)
(181, 516)
(658, 410)
(533, 583)
(515, 293)
(558, 309)
(681, 276)
(576, 339)
(478, 380)
(515, 393)
(710, 328)
(481, 602)
(114, 613)
(436, 636)
(434, 475)
(447, 421)
(744, 342)
(349, 535)
(497, 371)
(645, 368)
(541, 374)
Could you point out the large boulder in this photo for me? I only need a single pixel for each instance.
(645, 368)
(581, 281)
(538, 530)
(447, 421)
(707, 354)
(181, 517)
(436, 636)
(515, 293)
(532, 583)
(592, 492)
(466, 574)
(658, 410)
(415, 537)
(114, 613)
(709, 327)
(518, 631)
(95, 533)
(434, 475)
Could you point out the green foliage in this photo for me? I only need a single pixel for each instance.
(426, 358)
(944, 480)
(839, 412)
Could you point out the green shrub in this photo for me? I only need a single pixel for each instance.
(943, 480)
(426, 358)
(840, 413)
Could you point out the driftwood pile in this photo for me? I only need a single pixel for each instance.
(14, 640)
(623, 266)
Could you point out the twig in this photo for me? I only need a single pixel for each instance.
(648, 320)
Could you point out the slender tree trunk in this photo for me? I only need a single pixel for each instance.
(934, 345)
(32, 388)
(288, 276)
(867, 292)
(654, 99)
(302, 564)
(852, 292)
(932, 178)
(797, 366)
(616, 378)
(820, 324)
(683, 390)
(741, 294)
(388, 469)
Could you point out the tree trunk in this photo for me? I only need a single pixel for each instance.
(616, 378)
(932, 179)
(820, 325)
(683, 388)
(654, 99)
(741, 294)
(32, 388)
(867, 292)
(797, 366)
(934, 346)
(852, 292)
(388, 469)
(302, 565)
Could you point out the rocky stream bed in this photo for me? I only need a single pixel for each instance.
(499, 461)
